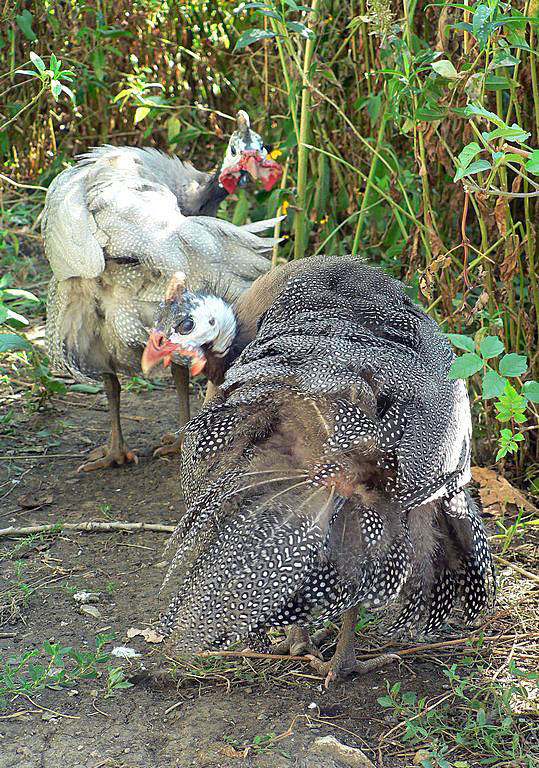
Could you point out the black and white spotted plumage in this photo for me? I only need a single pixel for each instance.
(331, 473)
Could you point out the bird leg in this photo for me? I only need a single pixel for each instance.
(171, 443)
(116, 452)
(298, 642)
(212, 390)
(344, 662)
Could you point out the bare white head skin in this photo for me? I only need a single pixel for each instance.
(242, 140)
(190, 325)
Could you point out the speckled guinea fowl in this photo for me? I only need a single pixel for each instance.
(115, 227)
(331, 473)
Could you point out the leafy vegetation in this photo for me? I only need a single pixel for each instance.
(408, 132)
(55, 666)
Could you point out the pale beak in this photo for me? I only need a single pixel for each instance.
(158, 348)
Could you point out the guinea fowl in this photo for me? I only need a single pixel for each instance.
(331, 472)
(115, 229)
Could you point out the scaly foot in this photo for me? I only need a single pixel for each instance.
(170, 443)
(108, 456)
(299, 643)
(344, 663)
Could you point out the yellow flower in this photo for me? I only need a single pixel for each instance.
(275, 153)
(284, 207)
(324, 220)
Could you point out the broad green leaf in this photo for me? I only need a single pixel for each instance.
(461, 341)
(467, 154)
(15, 319)
(19, 293)
(481, 26)
(296, 26)
(444, 68)
(493, 385)
(251, 36)
(11, 342)
(491, 346)
(513, 365)
(430, 112)
(532, 165)
(24, 22)
(513, 133)
(503, 59)
(37, 61)
(56, 89)
(477, 167)
(465, 365)
(87, 388)
(140, 114)
(497, 83)
(530, 390)
(476, 110)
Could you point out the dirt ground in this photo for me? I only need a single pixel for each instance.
(220, 714)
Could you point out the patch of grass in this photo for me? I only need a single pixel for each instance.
(491, 718)
(262, 743)
(56, 667)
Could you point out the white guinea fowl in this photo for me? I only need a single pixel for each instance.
(116, 226)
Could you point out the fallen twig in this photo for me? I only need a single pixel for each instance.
(373, 652)
(87, 527)
(517, 568)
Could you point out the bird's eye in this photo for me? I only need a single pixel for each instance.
(186, 325)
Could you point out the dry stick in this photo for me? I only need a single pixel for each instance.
(406, 652)
(88, 527)
(523, 571)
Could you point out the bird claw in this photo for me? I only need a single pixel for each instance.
(170, 443)
(297, 643)
(343, 665)
(106, 456)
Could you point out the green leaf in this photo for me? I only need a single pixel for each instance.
(497, 82)
(476, 110)
(513, 365)
(11, 342)
(37, 61)
(56, 89)
(477, 167)
(296, 26)
(385, 701)
(467, 154)
(530, 390)
(513, 133)
(481, 26)
(465, 365)
(532, 166)
(430, 112)
(461, 341)
(491, 346)
(444, 68)
(251, 36)
(140, 114)
(89, 389)
(493, 385)
(24, 22)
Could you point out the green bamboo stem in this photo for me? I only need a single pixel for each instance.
(300, 220)
(370, 177)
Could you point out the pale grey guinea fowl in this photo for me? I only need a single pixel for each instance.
(330, 474)
(116, 226)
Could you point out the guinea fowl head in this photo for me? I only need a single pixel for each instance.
(190, 325)
(246, 156)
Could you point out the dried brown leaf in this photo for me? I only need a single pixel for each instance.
(500, 210)
(509, 265)
(35, 500)
(496, 492)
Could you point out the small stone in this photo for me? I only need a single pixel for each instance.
(420, 755)
(90, 610)
(351, 757)
(86, 597)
